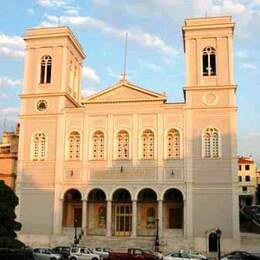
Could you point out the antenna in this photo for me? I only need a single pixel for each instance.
(206, 8)
(58, 20)
(4, 124)
(125, 57)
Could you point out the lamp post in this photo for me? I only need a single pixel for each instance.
(218, 233)
(157, 241)
(77, 237)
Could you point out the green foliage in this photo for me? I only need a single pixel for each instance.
(8, 225)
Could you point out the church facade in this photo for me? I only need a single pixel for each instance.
(123, 163)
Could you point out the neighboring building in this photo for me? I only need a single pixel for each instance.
(8, 157)
(247, 181)
(116, 161)
(258, 187)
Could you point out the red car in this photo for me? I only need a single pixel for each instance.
(133, 254)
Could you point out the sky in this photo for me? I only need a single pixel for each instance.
(155, 58)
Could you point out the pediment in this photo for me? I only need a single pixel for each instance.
(124, 91)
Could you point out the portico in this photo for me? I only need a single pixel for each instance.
(127, 214)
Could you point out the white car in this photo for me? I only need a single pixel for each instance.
(45, 254)
(82, 253)
(184, 255)
(102, 252)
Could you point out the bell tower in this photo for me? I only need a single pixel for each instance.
(52, 70)
(210, 106)
(208, 47)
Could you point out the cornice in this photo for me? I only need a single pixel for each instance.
(54, 94)
(210, 87)
(123, 101)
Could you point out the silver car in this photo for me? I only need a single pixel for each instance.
(102, 252)
(45, 254)
(82, 253)
(184, 254)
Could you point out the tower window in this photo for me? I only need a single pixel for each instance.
(39, 147)
(209, 61)
(211, 143)
(46, 63)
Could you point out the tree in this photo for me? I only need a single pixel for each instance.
(8, 225)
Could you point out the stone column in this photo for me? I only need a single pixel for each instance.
(57, 228)
(160, 217)
(109, 218)
(84, 216)
(188, 218)
(134, 218)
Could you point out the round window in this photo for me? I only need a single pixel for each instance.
(42, 105)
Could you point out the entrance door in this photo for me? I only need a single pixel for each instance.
(175, 218)
(213, 242)
(123, 219)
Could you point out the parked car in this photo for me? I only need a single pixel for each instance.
(184, 254)
(45, 254)
(133, 254)
(102, 252)
(82, 253)
(62, 250)
(235, 255)
(196, 254)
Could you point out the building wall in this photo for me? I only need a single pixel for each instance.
(8, 157)
(247, 187)
(208, 185)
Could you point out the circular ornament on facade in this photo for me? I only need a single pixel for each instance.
(42, 105)
(210, 99)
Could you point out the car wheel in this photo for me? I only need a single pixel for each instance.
(53, 258)
(73, 258)
(94, 258)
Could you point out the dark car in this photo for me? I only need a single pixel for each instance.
(64, 251)
(236, 255)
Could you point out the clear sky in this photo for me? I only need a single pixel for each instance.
(155, 51)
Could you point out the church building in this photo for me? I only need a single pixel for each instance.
(123, 163)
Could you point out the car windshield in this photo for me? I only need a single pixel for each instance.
(74, 250)
(173, 253)
(149, 252)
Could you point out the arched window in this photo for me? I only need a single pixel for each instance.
(46, 63)
(123, 145)
(173, 144)
(209, 61)
(148, 144)
(39, 147)
(74, 146)
(211, 143)
(98, 145)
